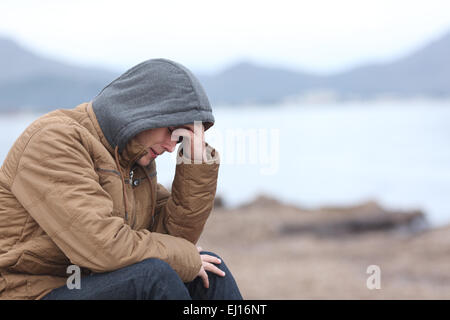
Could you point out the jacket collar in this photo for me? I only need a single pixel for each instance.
(132, 151)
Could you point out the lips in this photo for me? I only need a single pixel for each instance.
(153, 153)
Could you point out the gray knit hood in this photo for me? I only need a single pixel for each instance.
(156, 93)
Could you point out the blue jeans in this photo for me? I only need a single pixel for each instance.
(150, 279)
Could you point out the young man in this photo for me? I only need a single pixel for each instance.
(79, 187)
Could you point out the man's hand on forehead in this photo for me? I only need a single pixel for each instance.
(193, 136)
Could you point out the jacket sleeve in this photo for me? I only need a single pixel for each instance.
(57, 184)
(184, 211)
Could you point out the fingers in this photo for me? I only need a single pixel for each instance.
(208, 262)
(193, 143)
(181, 132)
(212, 268)
(189, 130)
(211, 259)
(187, 143)
(204, 276)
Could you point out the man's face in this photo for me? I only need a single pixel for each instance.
(157, 141)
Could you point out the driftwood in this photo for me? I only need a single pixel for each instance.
(332, 221)
(336, 221)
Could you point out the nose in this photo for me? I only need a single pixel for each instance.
(170, 145)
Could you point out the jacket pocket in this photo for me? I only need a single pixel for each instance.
(30, 263)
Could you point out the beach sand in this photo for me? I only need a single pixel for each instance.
(277, 251)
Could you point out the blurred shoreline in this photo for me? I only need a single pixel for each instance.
(306, 102)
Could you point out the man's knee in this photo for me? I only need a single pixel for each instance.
(157, 268)
(161, 280)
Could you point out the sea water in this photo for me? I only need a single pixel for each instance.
(337, 154)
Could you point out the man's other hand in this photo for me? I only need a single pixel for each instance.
(208, 265)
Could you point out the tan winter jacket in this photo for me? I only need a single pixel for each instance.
(63, 199)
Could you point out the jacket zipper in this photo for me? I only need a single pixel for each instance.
(131, 182)
(131, 176)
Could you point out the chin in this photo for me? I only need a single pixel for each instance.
(143, 162)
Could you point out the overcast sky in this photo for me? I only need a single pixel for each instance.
(321, 36)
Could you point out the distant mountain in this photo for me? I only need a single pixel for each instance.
(425, 72)
(249, 83)
(31, 81)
